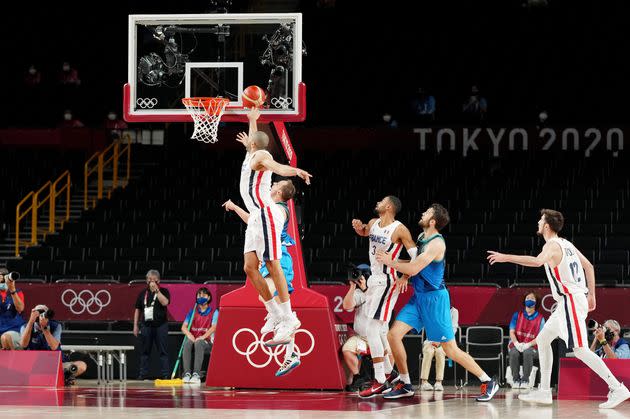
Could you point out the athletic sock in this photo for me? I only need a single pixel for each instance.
(273, 308)
(484, 378)
(285, 308)
(289, 349)
(388, 365)
(597, 365)
(405, 378)
(379, 372)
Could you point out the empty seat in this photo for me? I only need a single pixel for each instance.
(200, 253)
(618, 243)
(82, 267)
(142, 267)
(182, 268)
(70, 253)
(39, 253)
(471, 271)
(165, 253)
(609, 271)
(501, 271)
(320, 270)
(51, 267)
(117, 268)
(101, 253)
(487, 242)
(330, 254)
(587, 242)
(219, 269)
(614, 257)
(230, 254)
(133, 253)
(23, 266)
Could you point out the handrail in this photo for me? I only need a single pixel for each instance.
(110, 156)
(47, 193)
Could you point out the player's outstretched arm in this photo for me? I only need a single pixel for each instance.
(361, 229)
(432, 251)
(545, 256)
(252, 117)
(231, 206)
(265, 161)
(589, 272)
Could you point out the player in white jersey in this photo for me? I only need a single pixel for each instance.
(264, 229)
(386, 234)
(566, 269)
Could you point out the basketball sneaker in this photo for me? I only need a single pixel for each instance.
(283, 332)
(195, 379)
(289, 364)
(438, 386)
(537, 396)
(488, 390)
(186, 378)
(399, 391)
(271, 322)
(616, 397)
(426, 386)
(374, 390)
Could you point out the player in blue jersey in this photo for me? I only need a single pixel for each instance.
(429, 307)
(281, 192)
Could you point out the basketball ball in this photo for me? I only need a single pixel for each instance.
(253, 97)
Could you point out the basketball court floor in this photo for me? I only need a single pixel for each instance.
(143, 400)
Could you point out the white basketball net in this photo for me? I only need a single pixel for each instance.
(206, 113)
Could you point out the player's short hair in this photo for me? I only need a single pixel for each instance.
(395, 202)
(554, 218)
(261, 140)
(287, 189)
(440, 215)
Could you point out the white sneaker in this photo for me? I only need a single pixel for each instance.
(283, 332)
(537, 396)
(524, 385)
(292, 361)
(270, 324)
(195, 379)
(426, 386)
(616, 397)
(186, 378)
(438, 386)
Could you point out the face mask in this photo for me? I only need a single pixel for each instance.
(67, 116)
(3, 286)
(530, 303)
(202, 300)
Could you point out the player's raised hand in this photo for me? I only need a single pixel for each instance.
(496, 257)
(253, 114)
(383, 257)
(229, 205)
(242, 138)
(358, 225)
(304, 175)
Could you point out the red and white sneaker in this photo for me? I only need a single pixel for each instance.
(374, 390)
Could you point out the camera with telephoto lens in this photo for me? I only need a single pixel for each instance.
(592, 325)
(47, 314)
(12, 276)
(355, 272)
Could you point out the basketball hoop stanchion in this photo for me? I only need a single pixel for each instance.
(206, 113)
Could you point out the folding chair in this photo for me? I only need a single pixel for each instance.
(485, 343)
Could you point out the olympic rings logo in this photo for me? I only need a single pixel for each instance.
(146, 103)
(86, 301)
(273, 353)
(281, 102)
(544, 303)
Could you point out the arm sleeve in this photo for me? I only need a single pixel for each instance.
(542, 323)
(623, 352)
(513, 321)
(57, 333)
(166, 294)
(188, 317)
(215, 317)
(139, 303)
(359, 298)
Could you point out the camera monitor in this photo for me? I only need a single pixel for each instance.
(172, 57)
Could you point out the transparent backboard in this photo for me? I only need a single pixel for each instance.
(214, 55)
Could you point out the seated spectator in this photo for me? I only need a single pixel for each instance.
(476, 106)
(42, 333)
(200, 336)
(68, 75)
(434, 349)
(356, 347)
(525, 325)
(33, 77)
(69, 121)
(113, 122)
(11, 307)
(608, 342)
(423, 106)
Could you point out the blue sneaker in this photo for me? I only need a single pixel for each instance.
(399, 391)
(488, 390)
(288, 365)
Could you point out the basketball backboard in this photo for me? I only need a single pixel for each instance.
(214, 55)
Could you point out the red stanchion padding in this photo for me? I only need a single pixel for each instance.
(576, 381)
(239, 358)
(31, 368)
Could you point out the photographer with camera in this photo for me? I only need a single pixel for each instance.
(608, 342)
(11, 307)
(356, 347)
(42, 333)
